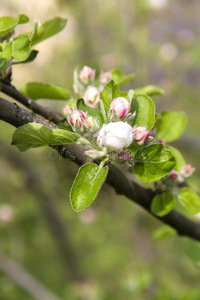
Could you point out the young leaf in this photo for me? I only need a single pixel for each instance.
(6, 50)
(51, 27)
(150, 90)
(190, 199)
(153, 162)
(94, 112)
(21, 47)
(145, 111)
(163, 232)
(162, 204)
(121, 78)
(172, 126)
(180, 161)
(35, 135)
(31, 58)
(7, 24)
(109, 92)
(38, 90)
(86, 185)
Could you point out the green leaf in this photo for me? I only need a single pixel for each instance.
(94, 112)
(6, 50)
(180, 161)
(163, 232)
(51, 27)
(21, 47)
(31, 58)
(86, 185)
(37, 32)
(109, 92)
(145, 111)
(172, 126)
(190, 199)
(7, 24)
(193, 251)
(121, 78)
(153, 162)
(35, 135)
(150, 90)
(38, 90)
(162, 204)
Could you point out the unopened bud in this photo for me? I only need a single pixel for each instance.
(91, 96)
(124, 156)
(92, 123)
(86, 74)
(119, 108)
(140, 134)
(187, 171)
(94, 154)
(67, 110)
(173, 175)
(77, 119)
(105, 77)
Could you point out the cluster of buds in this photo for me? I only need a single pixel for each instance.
(185, 172)
(81, 122)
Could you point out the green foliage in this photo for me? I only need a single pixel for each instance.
(121, 78)
(180, 161)
(35, 135)
(86, 185)
(150, 90)
(172, 126)
(145, 111)
(190, 200)
(153, 162)
(48, 29)
(7, 24)
(109, 92)
(38, 90)
(31, 58)
(96, 113)
(162, 204)
(163, 232)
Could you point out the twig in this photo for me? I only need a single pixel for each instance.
(23, 278)
(46, 201)
(29, 103)
(133, 191)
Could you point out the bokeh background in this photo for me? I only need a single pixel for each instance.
(110, 251)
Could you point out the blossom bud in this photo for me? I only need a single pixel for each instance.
(119, 108)
(67, 110)
(162, 142)
(77, 119)
(115, 136)
(86, 74)
(187, 171)
(91, 96)
(124, 156)
(92, 123)
(172, 175)
(140, 134)
(105, 77)
(94, 154)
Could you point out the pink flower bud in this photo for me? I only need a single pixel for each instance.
(187, 171)
(119, 108)
(140, 134)
(86, 74)
(92, 124)
(67, 110)
(124, 156)
(91, 96)
(162, 142)
(172, 175)
(106, 77)
(77, 119)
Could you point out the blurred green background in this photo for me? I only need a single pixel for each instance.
(107, 252)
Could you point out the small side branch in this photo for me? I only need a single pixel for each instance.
(23, 278)
(29, 103)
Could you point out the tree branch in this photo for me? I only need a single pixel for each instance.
(132, 190)
(29, 103)
(23, 278)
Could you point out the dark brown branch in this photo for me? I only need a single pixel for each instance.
(29, 103)
(133, 191)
